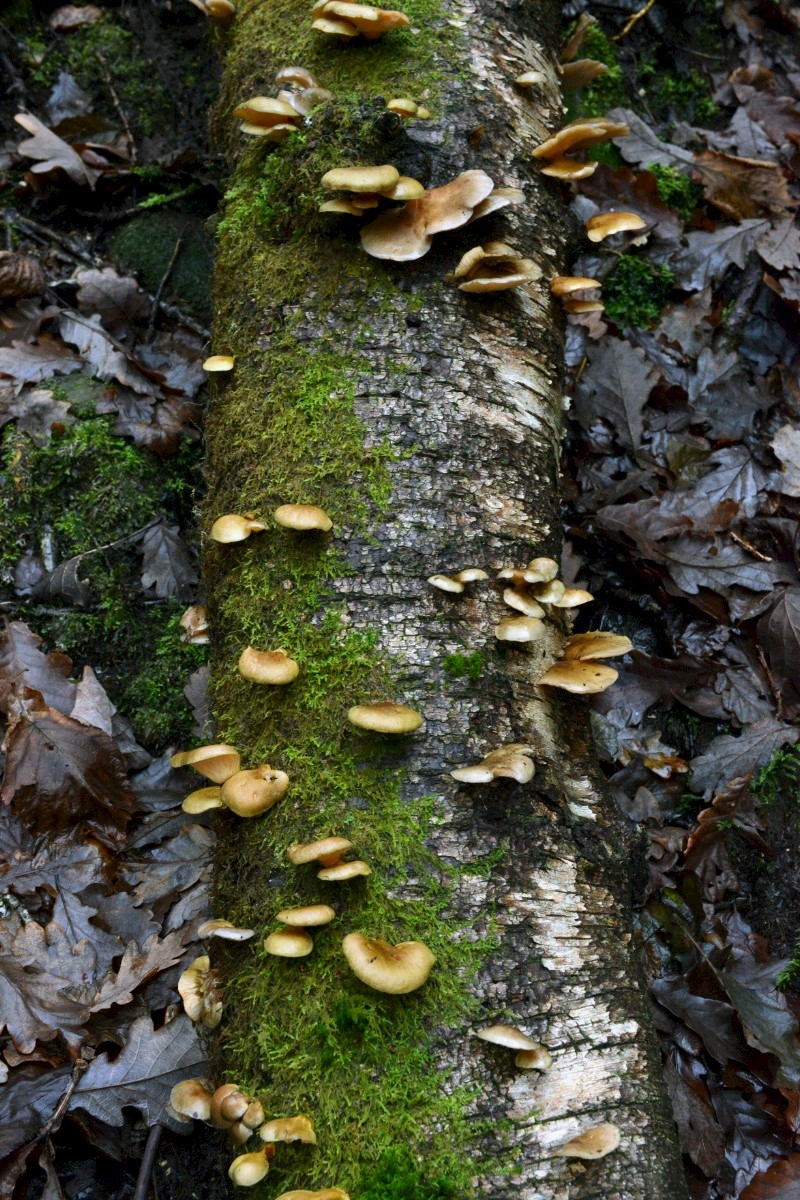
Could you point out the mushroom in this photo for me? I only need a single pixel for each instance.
(296, 941)
(218, 362)
(267, 666)
(596, 643)
(593, 1143)
(494, 267)
(530, 1055)
(522, 602)
(192, 1099)
(361, 179)
(332, 1193)
(249, 1169)
(530, 79)
(220, 10)
(604, 225)
(565, 285)
(583, 306)
(224, 929)
(579, 677)
(538, 570)
(573, 598)
(408, 108)
(348, 20)
(344, 871)
(549, 592)
(384, 716)
(195, 626)
(202, 1000)
(228, 1105)
(202, 800)
(289, 943)
(233, 528)
(519, 629)
(266, 111)
(396, 970)
(217, 762)
(251, 793)
(289, 1129)
(569, 170)
(407, 233)
(580, 135)
(309, 916)
(303, 518)
(327, 851)
(501, 197)
(296, 75)
(456, 583)
(506, 762)
(581, 73)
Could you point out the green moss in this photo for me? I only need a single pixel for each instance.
(396, 1176)
(677, 190)
(675, 97)
(470, 665)
(146, 244)
(782, 773)
(636, 291)
(609, 90)
(789, 975)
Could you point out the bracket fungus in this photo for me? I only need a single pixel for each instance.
(384, 716)
(303, 518)
(530, 1055)
(289, 1129)
(456, 583)
(519, 629)
(296, 941)
(582, 678)
(249, 1169)
(568, 170)
(604, 225)
(191, 1099)
(225, 930)
(202, 999)
(216, 762)
(268, 117)
(494, 267)
(267, 666)
(251, 793)
(344, 19)
(511, 761)
(596, 643)
(395, 970)
(407, 233)
(406, 108)
(233, 528)
(218, 362)
(582, 134)
(593, 1143)
(581, 73)
(565, 285)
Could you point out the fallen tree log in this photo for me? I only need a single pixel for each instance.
(427, 423)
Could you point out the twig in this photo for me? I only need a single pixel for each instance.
(123, 116)
(55, 1120)
(751, 549)
(147, 1163)
(151, 324)
(637, 16)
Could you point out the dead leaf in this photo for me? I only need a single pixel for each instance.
(67, 99)
(709, 255)
(137, 967)
(52, 153)
(72, 16)
(643, 146)
(36, 412)
(92, 705)
(171, 867)
(196, 692)
(168, 567)
(779, 635)
(768, 1024)
(780, 1182)
(35, 1004)
(116, 299)
(742, 187)
(786, 444)
(26, 1104)
(700, 1133)
(106, 360)
(32, 363)
(780, 248)
(615, 387)
(22, 664)
(728, 757)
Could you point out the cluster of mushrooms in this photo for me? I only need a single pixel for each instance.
(398, 234)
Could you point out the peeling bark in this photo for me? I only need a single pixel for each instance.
(468, 393)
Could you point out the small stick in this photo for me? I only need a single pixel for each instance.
(637, 16)
(147, 1163)
(151, 325)
(743, 542)
(123, 116)
(55, 1120)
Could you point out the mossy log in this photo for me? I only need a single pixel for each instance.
(427, 423)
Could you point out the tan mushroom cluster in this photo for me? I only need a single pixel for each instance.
(566, 289)
(341, 18)
(222, 11)
(530, 1055)
(294, 941)
(407, 108)
(274, 118)
(578, 670)
(494, 267)
(366, 187)
(578, 136)
(530, 591)
(456, 583)
(232, 528)
(511, 761)
(300, 90)
(328, 853)
(247, 793)
(199, 990)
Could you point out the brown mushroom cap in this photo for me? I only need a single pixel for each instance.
(340, 872)
(583, 306)
(519, 629)
(507, 1035)
(289, 1129)
(568, 169)
(511, 761)
(361, 179)
(224, 929)
(573, 597)
(217, 762)
(289, 943)
(580, 677)
(384, 716)
(403, 106)
(253, 1115)
(298, 75)
(580, 73)
(446, 583)
(234, 1101)
(191, 1098)
(549, 592)
(268, 133)
(539, 1059)
(303, 517)
(406, 188)
(564, 285)
(266, 111)
(580, 135)
(501, 197)
(333, 1193)
(522, 602)
(202, 800)
(593, 1143)
(335, 28)
(604, 225)
(396, 970)
(306, 918)
(233, 528)
(249, 1169)
(407, 233)
(267, 666)
(596, 643)
(326, 851)
(367, 20)
(219, 362)
(221, 10)
(251, 793)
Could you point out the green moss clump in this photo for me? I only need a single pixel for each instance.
(470, 665)
(396, 1176)
(685, 97)
(636, 291)
(782, 773)
(609, 90)
(677, 190)
(146, 244)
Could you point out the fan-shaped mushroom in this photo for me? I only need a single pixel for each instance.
(394, 969)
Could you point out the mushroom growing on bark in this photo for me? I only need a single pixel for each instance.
(218, 362)
(296, 941)
(251, 793)
(344, 19)
(511, 761)
(202, 1000)
(604, 225)
(593, 1143)
(394, 969)
(216, 762)
(303, 518)
(494, 267)
(327, 853)
(530, 1055)
(456, 583)
(233, 528)
(384, 716)
(267, 666)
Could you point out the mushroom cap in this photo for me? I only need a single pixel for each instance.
(340, 872)
(470, 575)
(361, 179)
(219, 362)
(506, 762)
(253, 1115)
(544, 569)
(249, 1169)
(593, 1143)
(289, 943)
(267, 666)
(221, 10)
(240, 1133)
(519, 629)
(500, 282)
(369, 21)
(194, 985)
(341, 206)
(581, 72)
(251, 793)
(507, 1035)
(396, 970)
(564, 285)
(269, 133)
(289, 1129)
(539, 1059)
(235, 1102)
(403, 106)
(567, 168)
(303, 517)
(603, 225)
(580, 677)
(406, 188)
(306, 918)
(329, 848)
(266, 111)
(549, 592)
(332, 26)
(583, 306)
(406, 233)
(332, 1193)
(446, 583)
(202, 800)
(530, 79)
(298, 75)
(580, 135)
(596, 643)
(384, 716)
(501, 197)
(522, 602)
(224, 929)
(217, 761)
(573, 597)
(191, 1098)
(233, 528)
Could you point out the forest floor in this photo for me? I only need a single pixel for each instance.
(681, 478)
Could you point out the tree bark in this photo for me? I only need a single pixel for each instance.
(428, 423)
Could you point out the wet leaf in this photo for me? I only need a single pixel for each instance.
(727, 757)
(137, 967)
(26, 363)
(116, 299)
(106, 360)
(168, 567)
(768, 1024)
(779, 634)
(67, 99)
(644, 146)
(742, 187)
(26, 1104)
(780, 1182)
(700, 1134)
(51, 152)
(35, 1004)
(780, 248)
(709, 255)
(615, 387)
(23, 664)
(171, 867)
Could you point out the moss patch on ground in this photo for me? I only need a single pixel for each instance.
(145, 246)
(636, 291)
(677, 190)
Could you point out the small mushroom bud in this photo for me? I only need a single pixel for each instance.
(218, 362)
(249, 1169)
(253, 1116)
(222, 11)
(191, 1098)
(289, 943)
(195, 626)
(530, 79)
(240, 1133)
